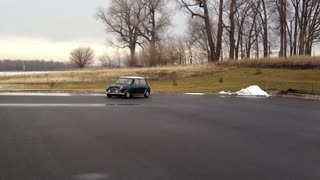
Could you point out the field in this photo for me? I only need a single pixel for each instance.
(296, 62)
(230, 76)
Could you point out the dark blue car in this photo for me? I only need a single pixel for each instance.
(127, 86)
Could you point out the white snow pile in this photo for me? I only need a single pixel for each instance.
(250, 91)
(226, 93)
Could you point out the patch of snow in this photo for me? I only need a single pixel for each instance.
(252, 91)
(226, 93)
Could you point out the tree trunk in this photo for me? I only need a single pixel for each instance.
(240, 37)
(232, 29)
(295, 35)
(308, 48)
(237, 50)
(303, 29)
(248, 49)
(265, 35)
(153, 53)
(209, 32)
(282, 9)
(252, 28)
(132, 62)
(241, 49)
(219, 32)
(257, 42)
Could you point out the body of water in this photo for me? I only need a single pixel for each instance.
(21, 73)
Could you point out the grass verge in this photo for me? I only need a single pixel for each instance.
(177, 79)
(295, 62)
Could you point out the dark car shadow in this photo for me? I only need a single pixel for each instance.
(122, 101)
(132, 98)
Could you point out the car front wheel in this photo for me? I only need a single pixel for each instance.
(146, 94)
(127, 95)
(109, 96)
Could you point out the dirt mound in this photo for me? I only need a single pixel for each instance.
(294, 92)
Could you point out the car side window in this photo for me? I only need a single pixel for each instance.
(143, 82)
(136, 82)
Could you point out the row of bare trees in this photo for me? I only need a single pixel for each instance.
(216, 29)
(246, 26)
(137, 23)
(32, 65)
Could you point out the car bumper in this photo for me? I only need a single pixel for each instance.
(115, 94)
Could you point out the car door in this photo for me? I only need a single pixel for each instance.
(143, 86)
(136, 87)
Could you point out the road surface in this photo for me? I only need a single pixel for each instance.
(174, 137)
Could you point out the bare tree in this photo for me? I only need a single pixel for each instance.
(197, 36)
(169, 50)
(220, 31)
(295, 4)
(281, 6)
(253, 29)
(32, 65)
(264, 17)
(189, 45)
(238, 12)
(154, 26)
(303, 25)
(174, 51)
(232, 40)
(106, 60)
(125, 18)
(200, 8)
(309, 25)
(82, 57)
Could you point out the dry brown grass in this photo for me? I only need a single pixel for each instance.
(108, 75)
(230, 80)
(297, 62)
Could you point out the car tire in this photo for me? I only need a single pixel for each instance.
(127, 95)
(109, 96)
(146, 94)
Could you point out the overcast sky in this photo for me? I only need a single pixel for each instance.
(50, 29)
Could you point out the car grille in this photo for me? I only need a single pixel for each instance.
(114, 90)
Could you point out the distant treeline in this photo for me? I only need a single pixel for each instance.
(32, 65)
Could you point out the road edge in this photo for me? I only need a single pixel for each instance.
(101, 92)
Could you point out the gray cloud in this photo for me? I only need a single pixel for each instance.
(56, 20)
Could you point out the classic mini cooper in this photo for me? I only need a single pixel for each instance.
(128, 86)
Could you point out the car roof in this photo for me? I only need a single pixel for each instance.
(131, 77)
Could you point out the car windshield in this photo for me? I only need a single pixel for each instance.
(124, 81)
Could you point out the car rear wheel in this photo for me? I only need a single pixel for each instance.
(127, 95)
(146, 94)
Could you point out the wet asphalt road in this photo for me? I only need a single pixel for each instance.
(176, 137)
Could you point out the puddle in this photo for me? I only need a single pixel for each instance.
(63, 105)
(49, 94)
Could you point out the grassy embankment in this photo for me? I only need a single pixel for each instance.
(272, 75)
